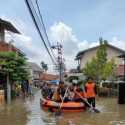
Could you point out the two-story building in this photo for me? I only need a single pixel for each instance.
(112, 52)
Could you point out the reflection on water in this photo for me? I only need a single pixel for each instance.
(14, 114)
(28, 112)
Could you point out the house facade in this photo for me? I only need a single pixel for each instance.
(35, 72)
(86, 55)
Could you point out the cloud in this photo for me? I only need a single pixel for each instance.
(58, 32)
(35, 53)
(64, 33)
(118, 43)
(24, 42)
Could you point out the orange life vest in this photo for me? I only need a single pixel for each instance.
(90, 90)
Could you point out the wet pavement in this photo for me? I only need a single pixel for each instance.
(28, 112)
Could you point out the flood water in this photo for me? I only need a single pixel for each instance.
(28, 112)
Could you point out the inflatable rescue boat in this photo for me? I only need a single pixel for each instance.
(66, 106)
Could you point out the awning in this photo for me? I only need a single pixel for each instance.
(54, 82)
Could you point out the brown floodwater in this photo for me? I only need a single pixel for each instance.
(28, 112)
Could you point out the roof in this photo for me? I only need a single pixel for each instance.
(8, 26)
(48, 77)
(78, 56)
(35, 67)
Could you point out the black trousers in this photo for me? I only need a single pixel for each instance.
(91, 101)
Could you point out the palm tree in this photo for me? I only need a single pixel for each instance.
(44, 66)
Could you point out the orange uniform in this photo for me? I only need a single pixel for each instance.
(90, 89)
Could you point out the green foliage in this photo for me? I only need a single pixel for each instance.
(44, 66)
(99, 68)
(15, 65)
(90, 68)
(108, 71)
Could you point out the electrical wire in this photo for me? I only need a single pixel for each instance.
(31, 9)
(44, 28)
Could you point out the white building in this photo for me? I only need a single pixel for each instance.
(86, 55)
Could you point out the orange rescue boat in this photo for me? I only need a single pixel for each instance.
(69, 106)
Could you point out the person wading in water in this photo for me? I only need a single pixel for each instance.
(91, 91)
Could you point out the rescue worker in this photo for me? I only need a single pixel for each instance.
(90, 91)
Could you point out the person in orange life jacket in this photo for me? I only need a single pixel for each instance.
(91, 91)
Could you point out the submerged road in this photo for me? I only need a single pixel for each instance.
(28, 112)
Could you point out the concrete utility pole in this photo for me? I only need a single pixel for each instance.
(59, 60)
(8, 89)
(8, 78)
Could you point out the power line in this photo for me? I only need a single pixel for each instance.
(37, 27)
(44, 28)
(42, 22)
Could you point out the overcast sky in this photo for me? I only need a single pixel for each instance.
(78, 24)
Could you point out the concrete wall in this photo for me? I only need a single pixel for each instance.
(111, 53)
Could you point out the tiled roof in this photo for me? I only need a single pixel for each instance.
(48, 77)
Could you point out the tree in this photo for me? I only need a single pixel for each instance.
(44, 66)
(90, 68)
(15, 65)
(108, 71)
(99, 68)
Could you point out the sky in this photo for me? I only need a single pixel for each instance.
(77, 24)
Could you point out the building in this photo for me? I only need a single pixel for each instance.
(86, 55)
(120, 72)
(35, 72)
(4, 46)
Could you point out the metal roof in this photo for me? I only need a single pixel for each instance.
(8, 26)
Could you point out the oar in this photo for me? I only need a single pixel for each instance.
(90, 106)
(60, 106)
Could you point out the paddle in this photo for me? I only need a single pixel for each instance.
(60, 106)
(90, 106)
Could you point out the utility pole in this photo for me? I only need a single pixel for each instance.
(8, 89)
(8, 78)
(60, 64)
